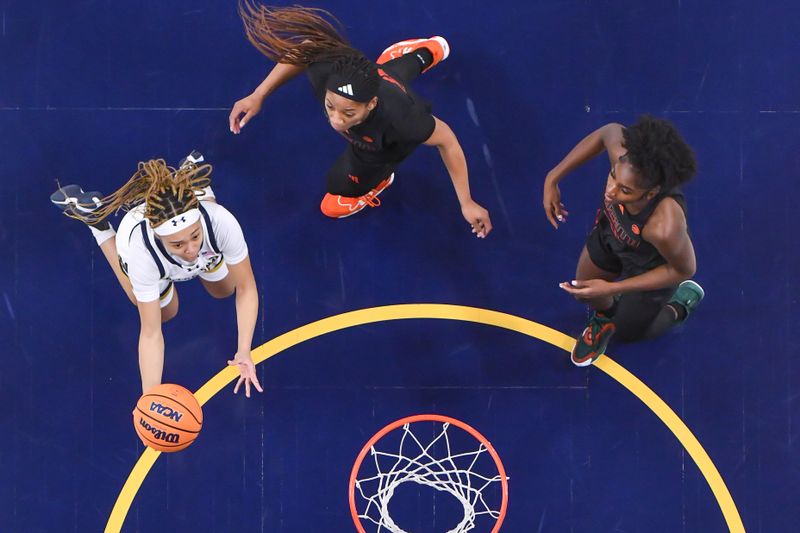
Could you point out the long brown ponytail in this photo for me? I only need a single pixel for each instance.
(295, 35)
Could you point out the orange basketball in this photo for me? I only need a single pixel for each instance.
(167, 418)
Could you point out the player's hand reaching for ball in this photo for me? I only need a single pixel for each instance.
(247, 373)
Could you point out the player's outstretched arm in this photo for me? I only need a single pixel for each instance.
(249, 106)
(246, 316)
(151, 344)
(452, 155)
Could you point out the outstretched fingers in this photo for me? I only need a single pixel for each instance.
(247, 375)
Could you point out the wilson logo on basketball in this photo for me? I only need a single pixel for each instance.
(159, 434)
(166, 411)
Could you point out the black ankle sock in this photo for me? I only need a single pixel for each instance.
(680, 311)
(424, 57)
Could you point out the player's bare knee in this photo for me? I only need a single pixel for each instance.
(221, 294)
(219, 289)
(168, 313)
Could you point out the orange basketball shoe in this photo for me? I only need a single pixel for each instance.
(438, 47)
(337, 206)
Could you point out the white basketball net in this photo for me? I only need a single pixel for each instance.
(414, 463)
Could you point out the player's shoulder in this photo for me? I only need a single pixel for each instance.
(667, 221)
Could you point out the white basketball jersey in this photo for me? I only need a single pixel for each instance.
(148, 264)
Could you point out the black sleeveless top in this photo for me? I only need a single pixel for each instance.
(621, 233)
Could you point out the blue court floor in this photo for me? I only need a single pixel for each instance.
(88, 89)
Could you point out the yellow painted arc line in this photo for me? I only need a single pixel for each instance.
(446, 312)
(683, 434)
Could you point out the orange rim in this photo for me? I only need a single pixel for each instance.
(428, 418)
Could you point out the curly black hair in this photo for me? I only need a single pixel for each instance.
(658, 153)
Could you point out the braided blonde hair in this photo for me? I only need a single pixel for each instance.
(165, 191)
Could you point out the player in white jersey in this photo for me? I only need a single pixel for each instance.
(173, 231)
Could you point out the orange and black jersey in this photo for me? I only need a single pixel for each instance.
(399, 123)
(619, 236)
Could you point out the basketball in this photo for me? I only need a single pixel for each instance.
(167, 418)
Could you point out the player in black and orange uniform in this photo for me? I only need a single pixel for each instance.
(635, 267)
(370, 105)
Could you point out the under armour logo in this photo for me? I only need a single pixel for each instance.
(175, 222)
(346, 89)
